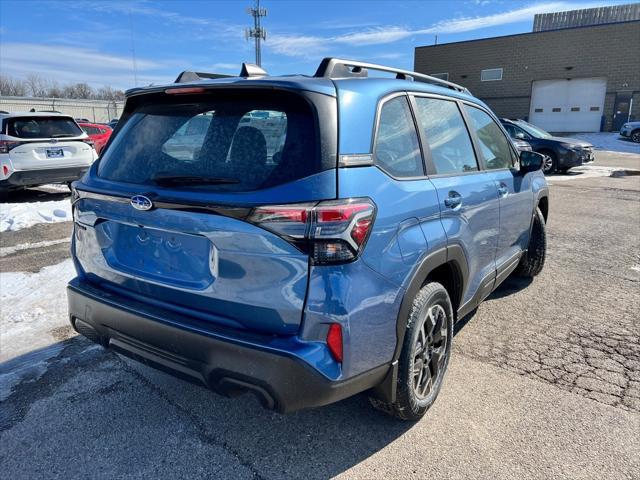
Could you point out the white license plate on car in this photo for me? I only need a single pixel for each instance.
(55, 153)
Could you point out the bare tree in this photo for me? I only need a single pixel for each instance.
(12, 87)
(36, 85)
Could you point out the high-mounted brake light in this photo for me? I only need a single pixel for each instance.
(334, 341)
(184, 90)
(331, 232)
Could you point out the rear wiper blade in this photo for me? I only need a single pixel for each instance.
(61, 135)
(171, 180)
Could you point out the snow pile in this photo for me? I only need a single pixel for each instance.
(33, 306)
(610, 141)
(14, 216)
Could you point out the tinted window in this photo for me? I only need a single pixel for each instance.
(42, 127)
(248, 141)
(494, 145)
(447, 136)
(397, 149)
(511, 130)
(90, 130)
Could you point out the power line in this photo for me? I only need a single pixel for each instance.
(257, 32)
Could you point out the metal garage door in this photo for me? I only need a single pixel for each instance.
(574, 105)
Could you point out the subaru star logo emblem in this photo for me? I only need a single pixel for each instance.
(140, 202)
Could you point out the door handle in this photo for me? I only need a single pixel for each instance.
(503, 190)
(454, 200)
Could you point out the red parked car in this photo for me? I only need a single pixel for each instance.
(98, 133)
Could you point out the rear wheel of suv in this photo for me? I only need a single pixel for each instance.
(635, 136)
(532, 260)
(425, 354)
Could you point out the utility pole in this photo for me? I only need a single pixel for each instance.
(257, 32)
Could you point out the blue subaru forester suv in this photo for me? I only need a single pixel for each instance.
(303, 238)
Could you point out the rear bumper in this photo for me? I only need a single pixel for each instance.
(227, 365)
(26, 178)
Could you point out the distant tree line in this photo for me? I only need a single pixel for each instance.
(36, 86)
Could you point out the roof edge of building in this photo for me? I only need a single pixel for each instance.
(528, 33)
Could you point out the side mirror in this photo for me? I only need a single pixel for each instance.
(530, 161)
(521, 136)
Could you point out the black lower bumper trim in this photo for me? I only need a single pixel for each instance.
(32, 178)
(280, 381)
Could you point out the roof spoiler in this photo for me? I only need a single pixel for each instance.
(338, 68)
(247, 70)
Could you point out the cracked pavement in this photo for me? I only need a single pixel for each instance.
(544, 382)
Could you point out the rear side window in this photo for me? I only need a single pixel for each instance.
(397, 150)
(42, 127)
(447, 136)
(241, 142)
(493, 144)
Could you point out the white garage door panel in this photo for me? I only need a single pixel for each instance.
(568, 105)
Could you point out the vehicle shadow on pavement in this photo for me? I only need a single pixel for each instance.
(42, 194)
(119, 414)
(513, 284)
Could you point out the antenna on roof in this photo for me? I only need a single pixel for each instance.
(257, 32)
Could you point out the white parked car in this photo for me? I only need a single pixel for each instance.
(41, 147)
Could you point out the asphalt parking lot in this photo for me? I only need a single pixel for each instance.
(544, 381)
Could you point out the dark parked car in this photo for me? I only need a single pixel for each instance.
(561, 153)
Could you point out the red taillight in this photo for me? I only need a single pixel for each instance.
(185, 90)
(5, 170)
(6, 145)
(331, 232)
(334, 341)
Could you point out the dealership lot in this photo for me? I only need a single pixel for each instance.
(544, 380)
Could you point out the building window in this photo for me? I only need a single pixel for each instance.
(441, 76)
(556, 109)
(539, 110)
(595, 109)
(575, 109)
(491, 74)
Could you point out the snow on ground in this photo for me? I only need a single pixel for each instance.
(587, 171)
(34, 305)
(610, 141)
(14, 216)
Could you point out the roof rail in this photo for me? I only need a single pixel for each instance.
(338, 68)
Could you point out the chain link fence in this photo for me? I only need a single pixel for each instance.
(97, 111)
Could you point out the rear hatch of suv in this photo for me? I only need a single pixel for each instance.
(45, 142)
(199, 203)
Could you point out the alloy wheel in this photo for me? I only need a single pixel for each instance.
(430, 352)
(636, 137)
(547, 164)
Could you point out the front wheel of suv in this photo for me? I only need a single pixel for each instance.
(635, 136)
(425, 354)
(550, 163)
(532, 260)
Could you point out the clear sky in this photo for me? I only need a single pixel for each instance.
(91, 41)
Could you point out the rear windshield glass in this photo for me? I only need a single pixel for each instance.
(42, 127)
(241, 142)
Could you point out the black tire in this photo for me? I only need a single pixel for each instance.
(4, 195)
(549, 166)
(430, 347)
(635, 136)
(532, 260)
